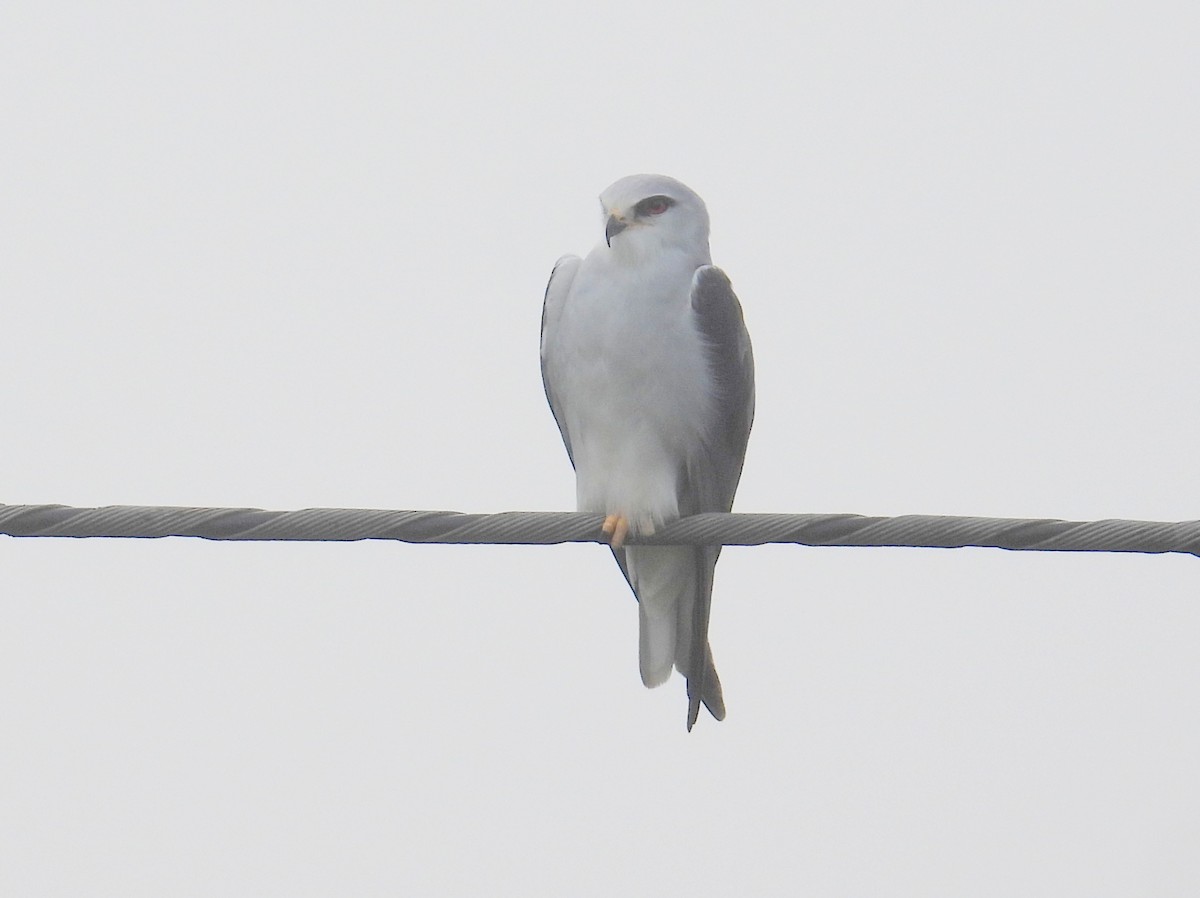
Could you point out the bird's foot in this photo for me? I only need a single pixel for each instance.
(616, 527)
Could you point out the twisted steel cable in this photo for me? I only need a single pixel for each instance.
(547, 528)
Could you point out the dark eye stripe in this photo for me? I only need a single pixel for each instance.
(653, 205)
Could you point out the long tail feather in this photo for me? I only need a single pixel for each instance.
(699, 664)
(673, 586)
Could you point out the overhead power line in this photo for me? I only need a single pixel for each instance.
(546, 528)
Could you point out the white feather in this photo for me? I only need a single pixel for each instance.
(665, 580)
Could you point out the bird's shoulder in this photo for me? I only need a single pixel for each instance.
(711, 286)
(717, 310)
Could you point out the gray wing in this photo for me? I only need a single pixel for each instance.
(711, 476)
(557, 289)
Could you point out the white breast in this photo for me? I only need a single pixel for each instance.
(630, 365)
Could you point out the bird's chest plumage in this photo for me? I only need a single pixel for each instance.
(632, 361)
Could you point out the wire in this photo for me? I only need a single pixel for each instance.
(547, 528)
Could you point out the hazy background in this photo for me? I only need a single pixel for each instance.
(292, 255)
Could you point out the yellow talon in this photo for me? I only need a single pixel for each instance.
(616, 527)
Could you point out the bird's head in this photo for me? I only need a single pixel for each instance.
(646, 214)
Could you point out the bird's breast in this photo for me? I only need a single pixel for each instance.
(633, 367)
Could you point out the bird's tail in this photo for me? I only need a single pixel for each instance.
(674, 589)
(707, 691)
(694, 654)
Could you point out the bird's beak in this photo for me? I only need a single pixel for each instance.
(614, 227)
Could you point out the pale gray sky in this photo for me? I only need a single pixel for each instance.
(294, 256)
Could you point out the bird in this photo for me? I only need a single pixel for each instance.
(649, 373)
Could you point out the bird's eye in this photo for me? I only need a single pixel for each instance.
(655, 205)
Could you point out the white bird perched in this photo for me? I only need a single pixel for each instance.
(649, 373)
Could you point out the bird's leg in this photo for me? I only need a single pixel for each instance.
(617, 528)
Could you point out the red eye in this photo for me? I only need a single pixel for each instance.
(653, 205)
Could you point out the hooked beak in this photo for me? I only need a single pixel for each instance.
(614, 227)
